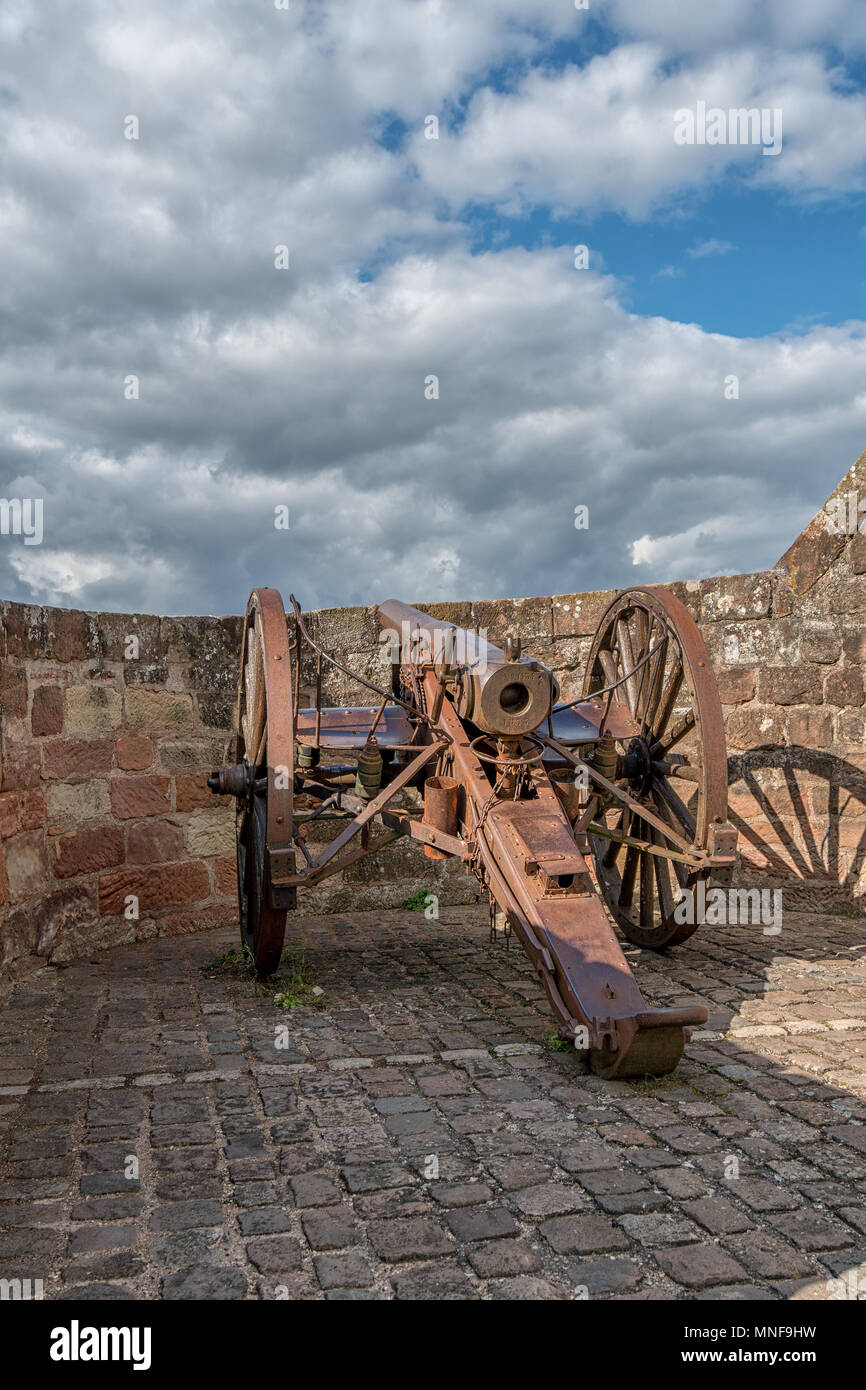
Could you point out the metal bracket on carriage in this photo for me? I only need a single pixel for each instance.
(281, 876)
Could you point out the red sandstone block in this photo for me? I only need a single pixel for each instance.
(852, 731)
(32, 810)
(736, 597)
(25, 630)
(86, 851)
(160, 886)
(46, 715)
(13, 692)
(70, 635)
(71, 910)
(752, 727)
(810, 728)
(193, 793)
(577, 615)
(852, 832)
(790, 685)
(742, 804)
(736, 685)
(20, 766)
(153, 842)
(225, 872)
(27, 865)
(844, 688)
(819, 801)
(4, 887)
(116, 630)
(132, 797)
(783, 598)
(76, 757)
(134, 753)
(848, 597)
(9, 815)
(187, 923)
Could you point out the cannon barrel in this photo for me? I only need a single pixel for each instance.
(504, 692)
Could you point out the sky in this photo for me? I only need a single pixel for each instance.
(291, 294)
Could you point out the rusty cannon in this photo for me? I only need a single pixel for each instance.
(576, 816)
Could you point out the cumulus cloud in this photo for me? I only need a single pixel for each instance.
(153, 261)
(715, 246)
(780, 24)
(604, 133)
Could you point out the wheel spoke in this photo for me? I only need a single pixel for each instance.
(657, 666)
(669, 698)
(623, 637)
(608, 666)
(642, 622)
(682, 727)
(614, 846)
(676, 804)
(680, 870)
(663, 881)
(644, 674)
(629, 871)
(646, 892)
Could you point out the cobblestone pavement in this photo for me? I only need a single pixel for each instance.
(414, 1138)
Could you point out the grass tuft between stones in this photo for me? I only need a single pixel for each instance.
(292, 985)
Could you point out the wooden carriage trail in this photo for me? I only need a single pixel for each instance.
(169, 1132)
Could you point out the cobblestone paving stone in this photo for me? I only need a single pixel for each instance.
(167, 1132)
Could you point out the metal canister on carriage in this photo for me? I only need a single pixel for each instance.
(369, 777)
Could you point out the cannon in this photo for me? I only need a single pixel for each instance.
(576, 816)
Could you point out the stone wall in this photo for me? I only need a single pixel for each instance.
(111, 722)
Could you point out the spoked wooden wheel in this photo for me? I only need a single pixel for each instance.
(676, 767)
(265, 749)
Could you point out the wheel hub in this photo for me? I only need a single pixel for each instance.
(637, 766)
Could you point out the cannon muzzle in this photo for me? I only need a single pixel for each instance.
(504, 692)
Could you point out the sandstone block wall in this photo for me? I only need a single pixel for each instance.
(109, 724)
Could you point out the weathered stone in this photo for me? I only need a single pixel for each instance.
(495, 1259)
(442, 1281)
(27, 865)
(69, 803)
(76, 757)
(134, 752)
(410, 1238)
(135, 797)
(736, 685)
(274, 1254)
(70, 911)
(343, 1271)
(699, 1266)
(92, 709)
(13, 692)
(46, 714)
(154, 710)
(583, 1235)
(205, 1283)
(154, 842)
(211, 832)
(159, 886)
(193, 794)
(844, 687)
(86, 851)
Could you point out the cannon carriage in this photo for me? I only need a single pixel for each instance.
(575, 816)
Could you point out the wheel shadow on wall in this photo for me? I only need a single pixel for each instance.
(807, 835)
